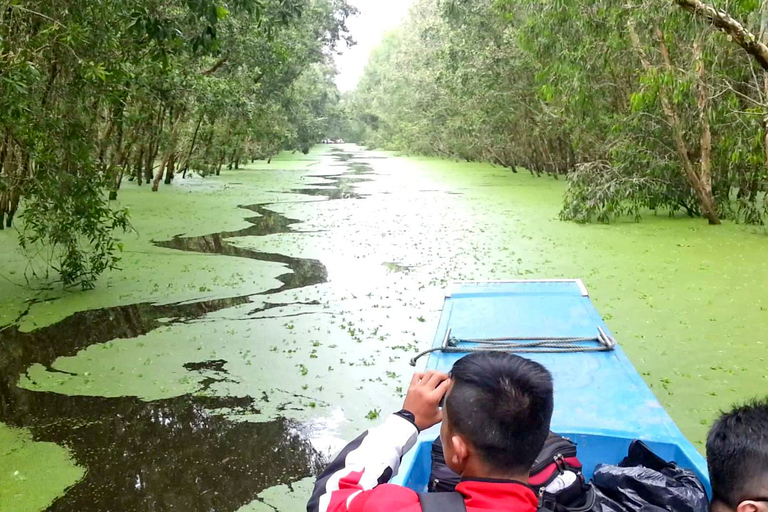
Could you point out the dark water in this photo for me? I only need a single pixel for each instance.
(180, 453)
(303, 271)
(172, 454)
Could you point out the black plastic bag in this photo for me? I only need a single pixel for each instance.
(645, 482)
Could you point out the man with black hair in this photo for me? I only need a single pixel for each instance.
(496, 417)
(737, 456)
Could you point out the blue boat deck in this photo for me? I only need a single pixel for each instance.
(601, 402)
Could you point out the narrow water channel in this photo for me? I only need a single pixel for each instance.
(224, 364)
(179, 453)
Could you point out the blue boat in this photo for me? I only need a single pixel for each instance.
(601, 402)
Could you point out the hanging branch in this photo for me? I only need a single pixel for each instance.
(728, 25)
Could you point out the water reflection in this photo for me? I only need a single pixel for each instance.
(339, 186)
(19, 350)
(179, 453)
(175, 454)
(183, 453)
(304, 271)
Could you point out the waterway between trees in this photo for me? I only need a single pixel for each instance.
(264, 316)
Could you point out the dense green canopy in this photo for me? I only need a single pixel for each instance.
(651, 104)
(95, 92)
(646, 104)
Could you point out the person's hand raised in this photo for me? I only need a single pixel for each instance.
(424, 395)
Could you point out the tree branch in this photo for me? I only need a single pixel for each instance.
(728, 25)
(215, 67)
(35, 13)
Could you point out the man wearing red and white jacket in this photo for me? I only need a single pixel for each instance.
(496, 418)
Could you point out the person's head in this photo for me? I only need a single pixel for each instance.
(496, 415)
(737, 456)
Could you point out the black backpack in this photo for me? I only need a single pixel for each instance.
(556, 477)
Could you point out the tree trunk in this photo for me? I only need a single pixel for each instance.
(170, 169)
(192, 146)
(13, 169)
(705, 162)
(103, 144)
(765, 118)
(117, 181)
(209, 155)
(7, 164)
(51, 79)
(13, 206)
(175, 126)
(3, 208)
(138, 165)
(159, 173)
(154, 148)
(115, 165)
(764, 40)
(4, 150)
(149, 165)
(702, 188)
(755, 46)
(14, 191)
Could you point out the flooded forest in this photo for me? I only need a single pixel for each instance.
(216, 265)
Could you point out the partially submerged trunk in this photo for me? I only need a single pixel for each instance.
(4, 196)
(149, 163)
(192, 147)
(138, 165)
(170, 150)
(13, 206)
(14, 166)
(159, 173)
(170, 170)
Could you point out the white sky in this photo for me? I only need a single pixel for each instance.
(376, 17)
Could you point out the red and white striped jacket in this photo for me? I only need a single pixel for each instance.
(356, 480)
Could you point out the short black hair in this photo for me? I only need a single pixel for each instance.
(503, 404)
(737, 452)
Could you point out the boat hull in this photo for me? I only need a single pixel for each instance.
(601, 402)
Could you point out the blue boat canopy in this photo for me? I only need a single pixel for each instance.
(601, 402)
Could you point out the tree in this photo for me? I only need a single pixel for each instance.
(628, 101)
(91, 92)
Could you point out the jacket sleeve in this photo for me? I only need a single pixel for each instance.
(366, 462)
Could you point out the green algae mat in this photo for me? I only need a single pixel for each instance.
(263, 316)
